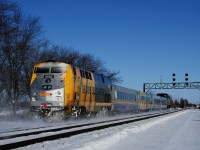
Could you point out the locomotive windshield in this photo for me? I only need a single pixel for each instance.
(53, 70)
(41, 70)
(58, 70)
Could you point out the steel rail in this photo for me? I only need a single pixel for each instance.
(75, 131)
(28, 132)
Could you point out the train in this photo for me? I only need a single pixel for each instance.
(61, 90)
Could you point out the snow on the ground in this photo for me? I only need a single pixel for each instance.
(179, 131)
(20, 124)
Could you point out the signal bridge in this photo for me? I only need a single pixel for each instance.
(174, 85)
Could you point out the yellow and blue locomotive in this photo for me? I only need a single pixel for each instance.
(61, 90)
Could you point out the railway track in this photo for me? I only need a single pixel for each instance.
(11, 141)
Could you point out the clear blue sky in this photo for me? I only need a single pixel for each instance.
(143, 39)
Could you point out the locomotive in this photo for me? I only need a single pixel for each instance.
(62, 90)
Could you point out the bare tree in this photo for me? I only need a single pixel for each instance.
(18, 39)
(6, 11)
(85, 61)
(22, 45)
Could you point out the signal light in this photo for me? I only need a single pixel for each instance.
(186, 77)
(173, 75)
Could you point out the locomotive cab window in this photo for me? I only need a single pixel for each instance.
(58, 70)
(41, 70)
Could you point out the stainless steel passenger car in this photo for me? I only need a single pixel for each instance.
(124, 99)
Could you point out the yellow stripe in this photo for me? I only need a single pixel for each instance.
(103, 104)
(124, 102)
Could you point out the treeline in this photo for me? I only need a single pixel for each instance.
(23, 44)
(182, 103)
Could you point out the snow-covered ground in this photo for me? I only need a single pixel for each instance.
(17, 124)
(179, 131)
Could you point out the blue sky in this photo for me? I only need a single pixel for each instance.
(143, 39)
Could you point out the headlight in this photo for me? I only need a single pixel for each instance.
(47, 80)
(34, 94)
(44, 87)
(47, 87)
